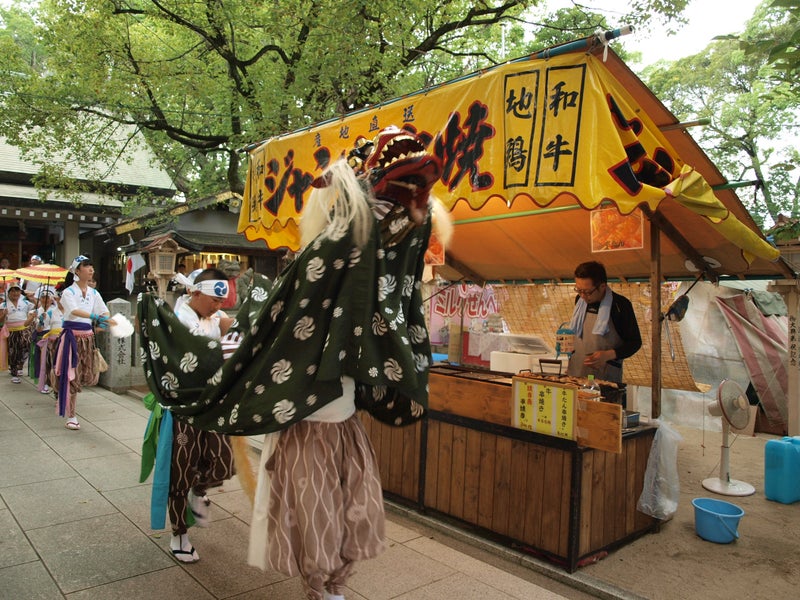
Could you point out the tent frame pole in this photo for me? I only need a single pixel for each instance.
(655, 322)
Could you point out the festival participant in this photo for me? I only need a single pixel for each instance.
(342, 328)
(83, 309)
(28, 286)
(18, 315)
(200, 459)
(175, 283)
(5, 265)
(48, 328)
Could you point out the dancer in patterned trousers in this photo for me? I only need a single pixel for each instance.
(200, 459)
(18, 314)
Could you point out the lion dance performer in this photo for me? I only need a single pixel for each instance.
(341, 329)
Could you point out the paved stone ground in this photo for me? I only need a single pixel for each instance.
(74, 523)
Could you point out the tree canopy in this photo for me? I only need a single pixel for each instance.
(751, 112)
(784, 50)
(200, 80)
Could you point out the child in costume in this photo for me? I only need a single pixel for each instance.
(200, 459)
(18, 315)
(48, 328)
(186, 461)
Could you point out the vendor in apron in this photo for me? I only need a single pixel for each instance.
(606, 331)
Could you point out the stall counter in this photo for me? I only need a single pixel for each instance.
(545, 495)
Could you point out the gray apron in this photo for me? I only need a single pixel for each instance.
(591, 342)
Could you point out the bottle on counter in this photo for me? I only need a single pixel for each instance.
(591, 389)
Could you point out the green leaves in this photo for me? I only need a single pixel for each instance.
(734, 82)
(198, 80)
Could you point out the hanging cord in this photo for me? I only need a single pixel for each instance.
(444, 289)
(694, 283)
(705, 410)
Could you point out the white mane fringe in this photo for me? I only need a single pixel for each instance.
(333, 209)
(442, 222)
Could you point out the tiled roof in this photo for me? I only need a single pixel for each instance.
(139, 173)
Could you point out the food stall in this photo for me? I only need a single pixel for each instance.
(550, 160)
(546, 494)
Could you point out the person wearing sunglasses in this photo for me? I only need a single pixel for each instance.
(606, 331)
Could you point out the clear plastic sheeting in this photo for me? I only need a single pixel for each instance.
(662, 488)
(712, 354)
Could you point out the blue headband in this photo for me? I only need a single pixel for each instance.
(78, 260)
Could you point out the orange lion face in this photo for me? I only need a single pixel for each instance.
(399, 168)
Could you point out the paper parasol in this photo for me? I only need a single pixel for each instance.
(44, 273)
(8, 274)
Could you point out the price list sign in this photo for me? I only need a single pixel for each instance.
(544, 407)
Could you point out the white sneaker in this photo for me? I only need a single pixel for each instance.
(200, 506)
(45, 390)
(182, 549)
(16, 379)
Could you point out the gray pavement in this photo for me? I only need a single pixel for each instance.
(74, 523)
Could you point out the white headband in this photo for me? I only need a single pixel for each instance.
(216, 288)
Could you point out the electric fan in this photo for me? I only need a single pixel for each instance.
(733, 407)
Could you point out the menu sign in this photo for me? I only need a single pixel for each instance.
(565, 411)
(544, 407)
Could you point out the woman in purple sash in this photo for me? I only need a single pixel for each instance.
(83, 309)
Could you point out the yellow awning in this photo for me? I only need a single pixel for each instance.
(529, 148)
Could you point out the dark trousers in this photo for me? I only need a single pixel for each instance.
(200, 460)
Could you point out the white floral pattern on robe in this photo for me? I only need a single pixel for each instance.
(336, 310)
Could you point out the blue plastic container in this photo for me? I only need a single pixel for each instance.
(782, 470)
(716, 520)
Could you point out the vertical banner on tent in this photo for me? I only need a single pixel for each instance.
(520, 93)
(762, 342)
(560, 134)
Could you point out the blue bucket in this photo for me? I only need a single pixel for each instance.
(716, 520)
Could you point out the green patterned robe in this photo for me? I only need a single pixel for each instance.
(335, 311)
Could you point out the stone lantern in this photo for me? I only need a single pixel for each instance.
(161, 254)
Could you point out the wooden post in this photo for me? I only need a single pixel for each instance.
(655, 324)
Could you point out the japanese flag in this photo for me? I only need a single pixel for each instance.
(135, 262)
